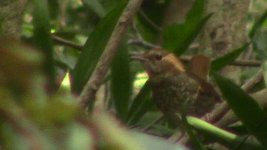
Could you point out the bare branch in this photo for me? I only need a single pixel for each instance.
(65, 42)
(87, 97)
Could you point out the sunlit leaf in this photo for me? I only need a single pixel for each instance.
(221, 136)
(150, 142)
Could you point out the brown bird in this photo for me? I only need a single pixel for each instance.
(174, 89)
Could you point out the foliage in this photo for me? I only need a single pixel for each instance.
(38, 110)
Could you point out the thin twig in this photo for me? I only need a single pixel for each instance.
(148, 20)
(147, 127)
(87, 97)
(143, 43)
(65, 42)
(242, 63)
(253, 81)
(147, 45)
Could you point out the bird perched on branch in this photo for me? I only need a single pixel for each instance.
(175, 89)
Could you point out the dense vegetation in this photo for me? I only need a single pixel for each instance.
(58, 92)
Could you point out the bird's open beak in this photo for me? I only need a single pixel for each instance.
(138, 57)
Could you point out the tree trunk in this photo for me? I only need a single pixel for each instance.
(225, 31)
(11, 13)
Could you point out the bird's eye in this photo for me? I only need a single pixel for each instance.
(158, 57)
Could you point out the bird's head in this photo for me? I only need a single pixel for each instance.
(158, 62)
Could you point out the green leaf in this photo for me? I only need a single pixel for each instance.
(121, 82)
(96, 6)
(196, 11)
(227, 138)
(141, 103)
(43, 40)
(79, 138)
(93, 48)
(178, 37)
(149, 142)
(245, 107)
(258, 24)
(221, 62)
(264, 69)
(260, 44)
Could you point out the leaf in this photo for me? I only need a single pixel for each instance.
(96, 6)
(221, 62)
(178, 37)
(245, 107)
(258, 24)
(196, 11)
(93, 48)
(150, 142)
(220, 135)
(140, 104)
(121, 82)
(43, 40)
(260, 44)
(264, 69)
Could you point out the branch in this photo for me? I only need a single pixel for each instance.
(252, 63)
(65, 42)
(87, 97)
(147, 45)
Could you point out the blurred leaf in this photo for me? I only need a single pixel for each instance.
(195, 141)
(140, 104)
(177, 37)
(43, 40)
(258, 24)
(96, 6)
(53, 7)
(79, 138)
(150, 142)
(121, 82)
(196, 11)
(93, 48)
(150, 19)
(224, 60)
(220, 135)
(264, 68)
(115, 136)
(245, 107)
(260, 44)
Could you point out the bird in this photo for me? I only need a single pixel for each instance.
(174, 89)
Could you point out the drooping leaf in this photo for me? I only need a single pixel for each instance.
(178, 36)
(258, 24)
(245, 107)
(196, 11)
(150, 19)
(260, 44)
(150, 142)
(264, 69)
(43, 40)
(93, 48)
(221, 62)
(141, 103)
(96, 6)
(121, 82)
